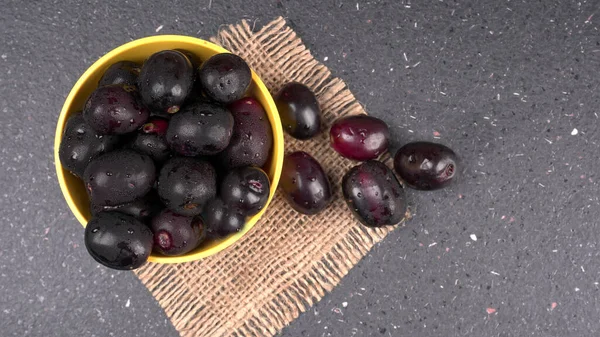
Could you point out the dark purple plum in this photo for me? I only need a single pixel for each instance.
(222, 219)
(166, 80)
(200, 128)
(246, 188)
(142, 208)
(122, 72)
(176, 234)
(426, 166)
(304, 184)
(374, 195)
(151, 140)
(185, 184)
(80, 144)
(252, 137)
(115, 109)
(225, 77)
(299, 111)
(359, 137)
(119, 177)
(118, 241)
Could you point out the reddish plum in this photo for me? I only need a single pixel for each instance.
(374, 195)
(304, 183)
(359, 137)
(252, 137)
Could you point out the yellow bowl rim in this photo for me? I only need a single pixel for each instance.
(277, 152)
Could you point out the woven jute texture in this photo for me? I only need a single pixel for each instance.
(288, 261)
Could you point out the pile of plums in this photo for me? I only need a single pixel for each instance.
(170, 152)
(371, 190)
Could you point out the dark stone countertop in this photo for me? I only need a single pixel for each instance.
(510, 250)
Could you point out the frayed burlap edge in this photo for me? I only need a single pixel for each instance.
(288, 261)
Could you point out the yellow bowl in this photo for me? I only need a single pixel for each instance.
(138, 50)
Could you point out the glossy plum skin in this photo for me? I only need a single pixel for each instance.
(200, 128)
(176, 234)
(246, 188)
(222, 219)
(142, 208)
(186, 184)
(165, 81)
(118, 241)
(252, 137)
(80, 144)
(115, 109)
(151, 140)
(374, 195)
(359, 137)
(425, 165)
(123, 72)
(119, 177)
(225, 77)
(299, 111)
(304, 184)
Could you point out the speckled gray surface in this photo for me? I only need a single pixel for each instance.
(511, 250)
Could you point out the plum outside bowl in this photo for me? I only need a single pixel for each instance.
(138, 50)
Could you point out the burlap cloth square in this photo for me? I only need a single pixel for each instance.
(288, 261)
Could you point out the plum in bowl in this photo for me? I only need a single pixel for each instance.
(74, 189)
